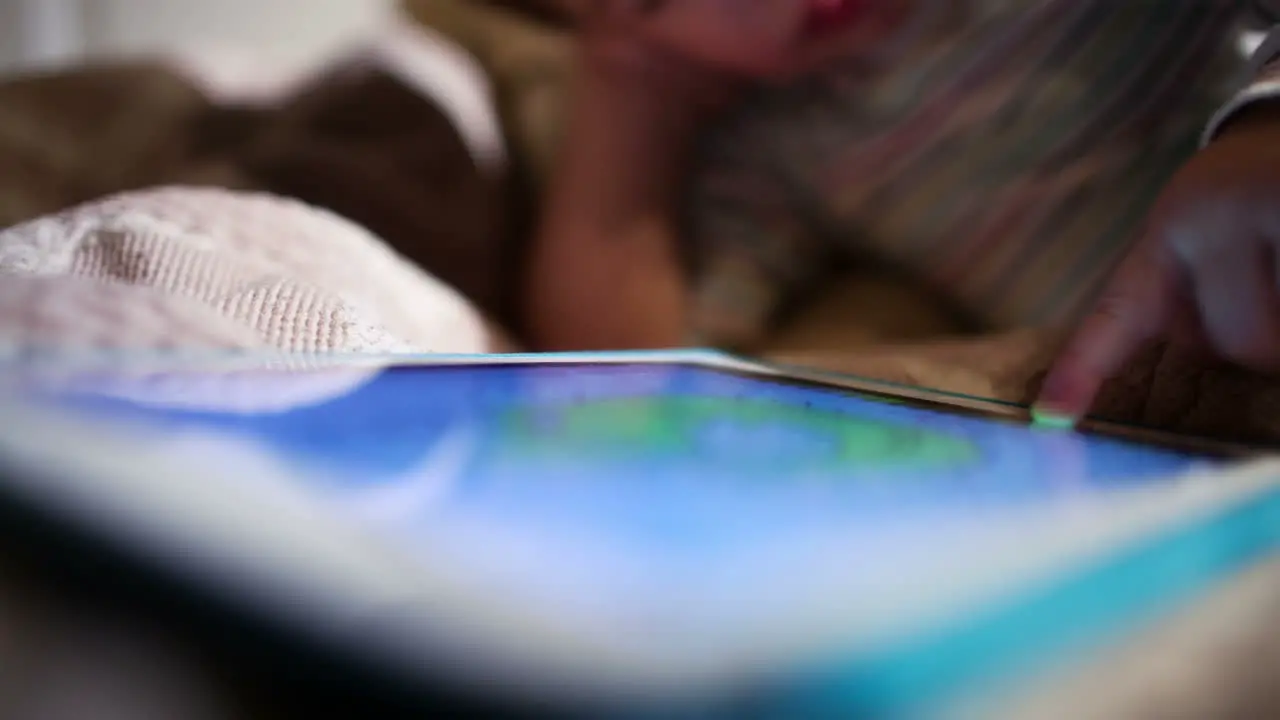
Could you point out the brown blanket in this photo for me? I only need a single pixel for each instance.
(357, 141)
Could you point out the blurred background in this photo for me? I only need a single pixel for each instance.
(430, 122)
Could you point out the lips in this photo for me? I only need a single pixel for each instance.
(830, 16)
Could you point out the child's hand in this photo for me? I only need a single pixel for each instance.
(1206, 270)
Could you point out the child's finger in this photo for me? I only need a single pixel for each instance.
(1132, 311)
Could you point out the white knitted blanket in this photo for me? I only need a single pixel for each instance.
(181, 268)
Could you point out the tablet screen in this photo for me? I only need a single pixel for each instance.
(658, 496)
(659, 440)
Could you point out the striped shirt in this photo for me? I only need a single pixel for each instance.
(1005, 156)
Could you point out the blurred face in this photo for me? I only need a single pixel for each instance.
(758, 38)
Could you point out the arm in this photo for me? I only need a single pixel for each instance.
(604, 268)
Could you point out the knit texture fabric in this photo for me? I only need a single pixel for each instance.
(181, 268)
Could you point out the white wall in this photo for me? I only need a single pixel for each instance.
(276, 34)
(10, 52)
(278, 31)
(40, 32)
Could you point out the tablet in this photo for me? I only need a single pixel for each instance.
(670, 530)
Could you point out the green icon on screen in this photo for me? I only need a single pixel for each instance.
(755, 434)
